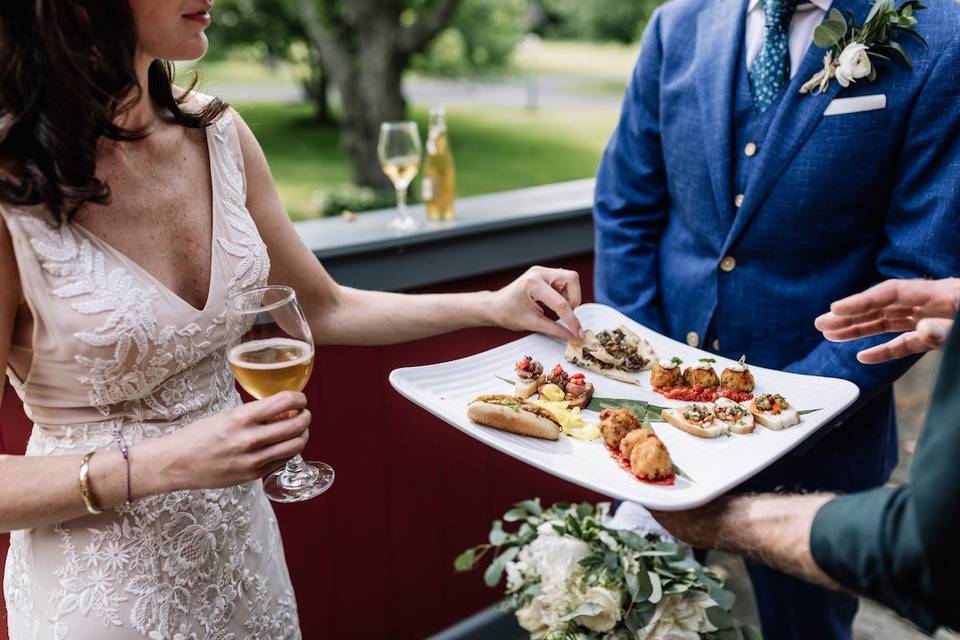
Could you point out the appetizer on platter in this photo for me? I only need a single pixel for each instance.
(774, 412)
(700, 383)
(553, 399)
(737, 377)
(702, 373)
(613, 353)
(577, 391)
(696, 419)
(509, 413)
(615, 424)
(667, 373)
(734, 415)
(648, 456)
(530, 377)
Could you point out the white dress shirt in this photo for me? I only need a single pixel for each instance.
(806, 19)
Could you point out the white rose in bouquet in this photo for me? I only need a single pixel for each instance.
(609, 616)
(681, 617)
(853, 64)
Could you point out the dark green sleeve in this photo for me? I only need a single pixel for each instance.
(901, 546)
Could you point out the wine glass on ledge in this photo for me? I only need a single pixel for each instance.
(271, 350)
(399, 150)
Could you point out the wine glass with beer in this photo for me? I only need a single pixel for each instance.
(399, 150)
(271, 350)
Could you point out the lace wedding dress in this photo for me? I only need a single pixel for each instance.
(112, 347)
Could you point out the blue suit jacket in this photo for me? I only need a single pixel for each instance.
(834, 204)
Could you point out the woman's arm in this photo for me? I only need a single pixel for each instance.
(219, 451)
(341, 315)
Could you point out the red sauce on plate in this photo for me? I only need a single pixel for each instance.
(699, 393)
(625, 465)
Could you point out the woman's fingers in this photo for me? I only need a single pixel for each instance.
(280, 431)
(543, 293)
(268, 409)
(567, 283)
(278, 453)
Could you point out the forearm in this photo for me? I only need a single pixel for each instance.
(42, 490)
(771, 529)
(371, 318)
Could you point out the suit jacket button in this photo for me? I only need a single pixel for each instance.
(728, 264)
(750, 150)
(693, 339)
(716, 345)
(738, 201)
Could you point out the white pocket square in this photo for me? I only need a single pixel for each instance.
(841, 106)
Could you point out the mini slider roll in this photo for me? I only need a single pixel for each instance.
(509, 413)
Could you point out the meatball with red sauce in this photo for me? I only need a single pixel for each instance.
(650, 460)
(615, 424)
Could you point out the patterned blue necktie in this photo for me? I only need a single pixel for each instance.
(770, 72)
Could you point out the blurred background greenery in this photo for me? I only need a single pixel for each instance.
(532, 87)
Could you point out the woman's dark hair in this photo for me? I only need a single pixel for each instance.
(66, 73)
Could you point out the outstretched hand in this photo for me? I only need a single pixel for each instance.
(923, 310)
(522, 304)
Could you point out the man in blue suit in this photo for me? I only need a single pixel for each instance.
(731, 210)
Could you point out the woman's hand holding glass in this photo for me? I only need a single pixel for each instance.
(236, 446)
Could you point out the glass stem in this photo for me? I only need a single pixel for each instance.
(402, 201)
(295, 464)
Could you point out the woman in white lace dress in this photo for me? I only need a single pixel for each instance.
(127, 218)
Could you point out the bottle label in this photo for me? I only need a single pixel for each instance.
(426, 189)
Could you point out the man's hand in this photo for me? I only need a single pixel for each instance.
(922, 309)
(772, 529)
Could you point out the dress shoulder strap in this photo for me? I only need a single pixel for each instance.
(225, 146)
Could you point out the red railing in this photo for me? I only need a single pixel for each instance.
(373, 558)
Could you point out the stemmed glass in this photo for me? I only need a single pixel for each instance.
(399, 151)
(271, 350)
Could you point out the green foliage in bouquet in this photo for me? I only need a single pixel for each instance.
(570, 576)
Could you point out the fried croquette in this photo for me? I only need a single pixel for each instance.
(704, 377)
(666, 376)
(737, 380)
(615, 424)
(632, 439)
(650, 460)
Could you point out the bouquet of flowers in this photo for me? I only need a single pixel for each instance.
(569, 575)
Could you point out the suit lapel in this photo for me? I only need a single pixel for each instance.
(720, 33)
(796, 117)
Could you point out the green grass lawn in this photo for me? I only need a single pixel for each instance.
(495, 149)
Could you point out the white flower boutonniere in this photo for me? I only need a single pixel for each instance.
(851, 47)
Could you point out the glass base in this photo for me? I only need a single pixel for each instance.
(404, 224)
(311, 481)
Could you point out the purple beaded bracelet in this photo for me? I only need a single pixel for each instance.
(126, 456)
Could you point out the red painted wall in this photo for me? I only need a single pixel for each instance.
(373, 558)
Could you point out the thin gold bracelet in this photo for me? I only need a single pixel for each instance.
(85, 491)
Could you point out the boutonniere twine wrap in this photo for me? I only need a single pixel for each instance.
(851, 47)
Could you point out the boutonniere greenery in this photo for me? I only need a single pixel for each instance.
(851, 47)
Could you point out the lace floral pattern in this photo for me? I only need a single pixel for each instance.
(189, 565)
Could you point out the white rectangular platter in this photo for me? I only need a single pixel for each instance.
(713, 466)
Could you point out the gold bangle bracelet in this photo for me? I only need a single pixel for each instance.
(85, 491)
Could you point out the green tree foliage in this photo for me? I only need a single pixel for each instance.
(480, 39)
(603, 20)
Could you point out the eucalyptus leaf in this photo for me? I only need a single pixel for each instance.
(657, 593)
(533, 506)
(497, 535)
(830, 32)
(586, 609)
(645, 611)
(720, 617)
(633, 621)
(612, 560)
(724, 598)
(491, 577)
(644, 587)
(465, 560)
(515, 515)
(727, 634)
(633, 585)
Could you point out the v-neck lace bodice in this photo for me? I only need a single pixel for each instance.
(114, 348)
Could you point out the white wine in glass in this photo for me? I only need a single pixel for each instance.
(270, 351)
(399, 150)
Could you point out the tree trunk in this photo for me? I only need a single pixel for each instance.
(371, 95)
(315, 86)
(365, 48)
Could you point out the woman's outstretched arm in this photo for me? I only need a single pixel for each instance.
(342, 315)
